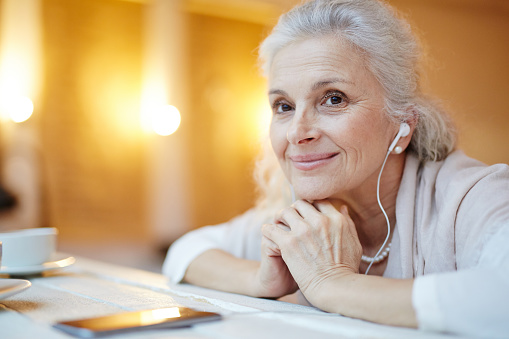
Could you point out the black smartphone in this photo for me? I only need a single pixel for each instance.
(132, 321)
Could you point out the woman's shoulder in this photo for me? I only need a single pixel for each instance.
(463, 172)
(466, 200)
(459, 161)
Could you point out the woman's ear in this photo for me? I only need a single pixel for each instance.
(407, 129)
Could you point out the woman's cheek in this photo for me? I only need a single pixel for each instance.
(278, 141)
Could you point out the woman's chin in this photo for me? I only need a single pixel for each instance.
(314, 188)
(312, 195)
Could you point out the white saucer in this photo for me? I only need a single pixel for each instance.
(47, 266)
(10, 287)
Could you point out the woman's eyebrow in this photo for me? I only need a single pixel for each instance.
(278, 91)
(326, 82)
(316, 86)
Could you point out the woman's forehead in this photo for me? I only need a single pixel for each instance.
(318, 58)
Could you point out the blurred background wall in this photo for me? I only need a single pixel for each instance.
(88, 160)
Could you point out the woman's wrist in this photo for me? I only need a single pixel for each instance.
(371, 298)
(329, 292)
(220, 270)
(252, 281)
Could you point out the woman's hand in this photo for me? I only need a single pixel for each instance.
(320, 244)
(273, 277)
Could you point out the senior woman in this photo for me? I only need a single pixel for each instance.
(390, 224)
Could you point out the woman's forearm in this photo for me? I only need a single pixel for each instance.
(377, 299)
(217, 269)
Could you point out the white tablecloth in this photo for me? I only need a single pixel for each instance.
(91, 288)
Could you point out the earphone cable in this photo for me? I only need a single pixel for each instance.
(383, 211)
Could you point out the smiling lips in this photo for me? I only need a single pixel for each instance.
(311, 161)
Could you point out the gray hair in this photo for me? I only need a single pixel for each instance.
(392, 54)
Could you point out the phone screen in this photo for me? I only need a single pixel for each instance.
(129, 321)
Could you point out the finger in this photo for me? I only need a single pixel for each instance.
(343, 215)
(275, 233)
(350, 225)
(305, 209)
(270, 248)
(278, 217)
(326, 207)
(346, 213)
(290, 217)
(284, 227)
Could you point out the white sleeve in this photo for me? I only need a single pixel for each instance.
(240, 236)
(472, 301)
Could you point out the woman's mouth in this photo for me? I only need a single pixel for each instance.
(308, 162)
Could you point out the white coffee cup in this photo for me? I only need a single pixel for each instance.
(28, 247)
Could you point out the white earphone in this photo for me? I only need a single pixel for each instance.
(404, 130)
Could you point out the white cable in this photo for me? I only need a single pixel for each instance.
(383, 211)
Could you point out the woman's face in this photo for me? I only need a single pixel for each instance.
(328, 128)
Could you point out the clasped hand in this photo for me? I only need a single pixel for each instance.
(308, 244)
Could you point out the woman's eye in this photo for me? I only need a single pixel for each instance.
(282, 107)
(335, 98)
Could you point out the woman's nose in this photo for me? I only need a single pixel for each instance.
(302, 128)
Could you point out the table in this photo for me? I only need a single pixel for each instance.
(92, 288)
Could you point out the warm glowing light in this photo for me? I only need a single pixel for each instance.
(256, 121)
(165, 120)
(163, 313)
(263, 116)
(17, 108)
(157, 316)
(20, 58)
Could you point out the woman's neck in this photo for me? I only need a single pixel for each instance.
(364, 209)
